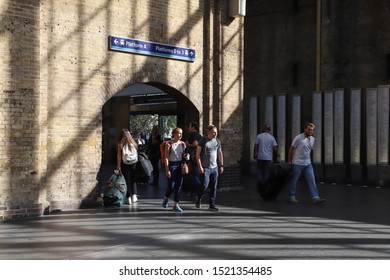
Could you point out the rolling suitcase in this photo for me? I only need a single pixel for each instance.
(270, 188)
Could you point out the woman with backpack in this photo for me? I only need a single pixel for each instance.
(127, 158)
(174, 155)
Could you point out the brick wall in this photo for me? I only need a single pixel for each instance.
(58, 73)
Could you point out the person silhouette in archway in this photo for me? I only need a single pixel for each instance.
(154, 153)
(191, 143)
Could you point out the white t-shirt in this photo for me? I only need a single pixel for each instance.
(265, 142)
(302, 149)
(176, 151)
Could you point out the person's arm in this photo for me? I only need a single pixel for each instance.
(290, 154)
(255, 150)
(118, 158)
(197, 157)
(166, 160)
(220, 160)
(275, 154)
(193, 144)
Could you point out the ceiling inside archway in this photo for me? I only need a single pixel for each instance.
(138, 89)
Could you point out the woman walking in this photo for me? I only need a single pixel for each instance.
(127, 158)
(174, 153)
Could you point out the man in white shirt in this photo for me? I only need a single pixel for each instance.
(299, 158)
(264, 149)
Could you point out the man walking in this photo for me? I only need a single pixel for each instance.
(299, 158)
(264, 149)
(192, 142)
(209, 158)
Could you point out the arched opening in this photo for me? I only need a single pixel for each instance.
(140, 106)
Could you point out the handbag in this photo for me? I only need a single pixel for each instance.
(145, 166)
(184, 168)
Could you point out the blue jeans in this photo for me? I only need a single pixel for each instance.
(175, 182)
(210, 178)
(308, 172)
(196, 183)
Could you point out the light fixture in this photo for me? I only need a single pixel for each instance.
(237, 8)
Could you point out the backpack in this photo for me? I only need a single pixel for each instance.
(144, 164)
(162, 150)
(129, 156)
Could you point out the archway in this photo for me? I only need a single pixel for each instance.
(148, 99)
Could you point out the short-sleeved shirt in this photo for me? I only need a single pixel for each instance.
(176, 151)
(209, 152)
(302, 149)
(265, 142)
(191, 138)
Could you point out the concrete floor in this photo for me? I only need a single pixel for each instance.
(353, 223)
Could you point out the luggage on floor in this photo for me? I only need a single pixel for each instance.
(270, 188)
(115, 191)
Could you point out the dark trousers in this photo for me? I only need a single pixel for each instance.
(196, 183)
(263, 167)
(175, 182)
(128, 171)
(156, 171)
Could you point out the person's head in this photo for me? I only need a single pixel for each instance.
(266, 128)
(126, 138)
(177, 133)
(193, 126)
(155, 129)
(212, 131)
(309, 129)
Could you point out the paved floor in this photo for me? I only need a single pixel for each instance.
(353, 223)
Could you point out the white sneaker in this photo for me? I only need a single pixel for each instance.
(293, 200)
(127, 201)
(134, 198)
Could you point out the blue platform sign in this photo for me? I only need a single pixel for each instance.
(150, 48)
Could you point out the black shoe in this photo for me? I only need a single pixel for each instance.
(198, 202)
(318, 200)
(213, 208)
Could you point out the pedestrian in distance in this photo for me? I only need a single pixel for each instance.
(299, 159)
(127, 158)
(209, 158)
(264, 149)
(154, 153)
(174, 156)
